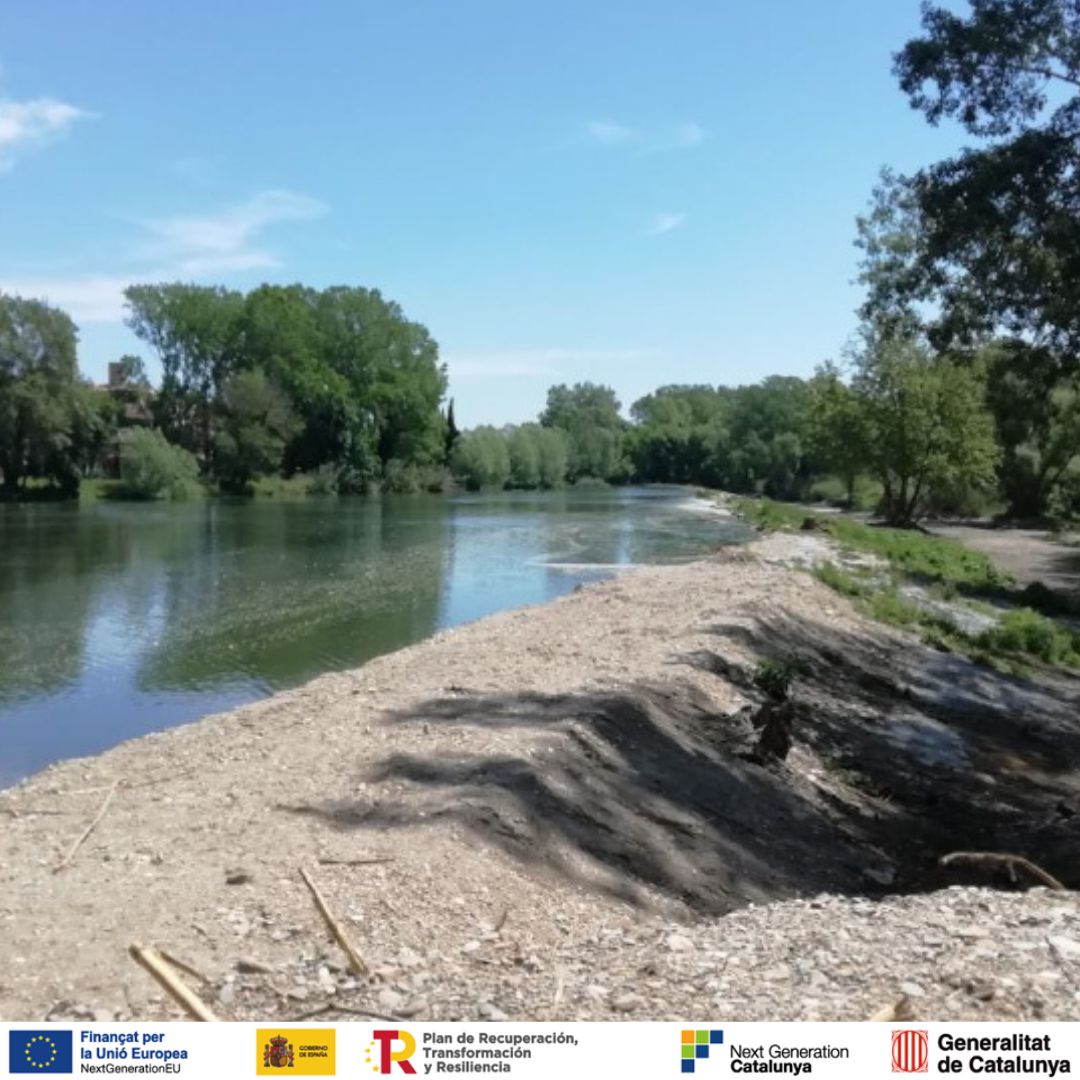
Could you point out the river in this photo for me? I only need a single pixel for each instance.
(117, 619)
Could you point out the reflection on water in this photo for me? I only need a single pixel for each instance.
(118, 619)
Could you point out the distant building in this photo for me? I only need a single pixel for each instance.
(136, 397)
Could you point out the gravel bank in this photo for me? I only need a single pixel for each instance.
(556, 813)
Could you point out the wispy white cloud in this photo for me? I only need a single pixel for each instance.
(665, 223)
(609, 133)
(192, 247)
(647, 140)
(525, 363)
(26, 125)
(225, 241)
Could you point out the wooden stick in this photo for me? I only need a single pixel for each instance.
(356, 862)
(187, 969)
(331, 1007)
(158, 967)
(89, 829)
(993, 858)
(355, 961)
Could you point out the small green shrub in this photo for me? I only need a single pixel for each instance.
(152, 468)
(1027, 632)
(774, 677)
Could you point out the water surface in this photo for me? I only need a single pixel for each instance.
(117, 619)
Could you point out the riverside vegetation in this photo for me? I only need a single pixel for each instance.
(928, 583)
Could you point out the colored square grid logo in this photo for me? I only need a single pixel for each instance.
(696, 1044)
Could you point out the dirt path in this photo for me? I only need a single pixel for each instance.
(548, 814)
(1028, 554)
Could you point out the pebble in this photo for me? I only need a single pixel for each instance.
(1065, 946)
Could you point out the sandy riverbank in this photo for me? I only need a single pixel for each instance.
(566, 811)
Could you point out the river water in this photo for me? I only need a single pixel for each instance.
(119, 618)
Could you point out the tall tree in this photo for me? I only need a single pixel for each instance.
(838, 427)
(195, 331)
(38, 380)
(589, 414)
(928, 430)
(256, 422)
(1001, 222)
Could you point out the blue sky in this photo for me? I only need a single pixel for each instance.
(633, 193)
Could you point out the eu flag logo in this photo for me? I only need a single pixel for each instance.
(39, 1052)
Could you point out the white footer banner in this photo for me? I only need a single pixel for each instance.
(656, 1051)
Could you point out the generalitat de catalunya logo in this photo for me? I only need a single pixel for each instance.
(910, 1051)
(381, 1051)
(695, 1046)
(39, 1052)
(295, 1051)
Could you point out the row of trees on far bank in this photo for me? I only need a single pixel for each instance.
(920, 430)
(281, 380)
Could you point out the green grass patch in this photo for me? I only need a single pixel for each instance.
(771, 516)
(914, 553)
(1025, 632)
(919, 555)
(842, 581)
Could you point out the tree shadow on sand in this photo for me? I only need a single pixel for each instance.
(901, 755)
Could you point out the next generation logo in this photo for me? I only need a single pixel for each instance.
(778, 1060)
(696, 1044)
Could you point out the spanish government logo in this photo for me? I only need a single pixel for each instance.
(385, 1056)
(295, 1052)
(910, 1051)
(696, 1044)
(278, 1053)
(39, 1052)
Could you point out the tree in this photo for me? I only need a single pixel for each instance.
(95, 419)
(392, 368)
(255, 424)
(928, 429)
(554, 453)
(133, 371)
(838, 428)
(195, 330)
(38, 378)
(1000, 223)
(452, 432)
(1037, 415)
(482, 459)
(523, 445)
(589, 414)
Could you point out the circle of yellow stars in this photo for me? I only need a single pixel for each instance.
(52, 1052)
(367, 1057)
